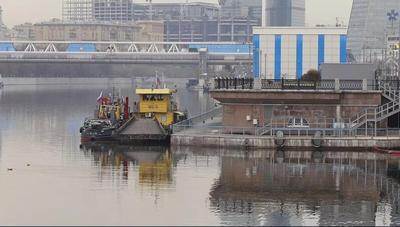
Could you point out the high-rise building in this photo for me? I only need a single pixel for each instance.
(286, 12)
(113, 10)
(242, 9)
(4, 31)
(371, 23)
(77, 10)
(98, 10)
(1, 16)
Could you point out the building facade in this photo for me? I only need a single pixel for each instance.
(286, 12)
(97, 10)
(24, 31)
(175, 11)
(96, 31)
(4, 31)
(371, 22)
(207, 30)
(112, 10)
(77, 10)
(283, 52)
(242, 9)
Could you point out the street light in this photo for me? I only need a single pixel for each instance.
(265, 65)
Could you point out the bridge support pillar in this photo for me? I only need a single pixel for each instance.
(203, 64)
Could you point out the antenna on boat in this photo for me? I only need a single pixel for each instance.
(163, 80)
(158, 81)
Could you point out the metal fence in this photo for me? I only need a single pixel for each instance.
(288, 84)
(234, 83)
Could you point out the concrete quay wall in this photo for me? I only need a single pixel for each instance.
(234, 141)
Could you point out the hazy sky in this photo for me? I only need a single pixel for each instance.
(20, 11)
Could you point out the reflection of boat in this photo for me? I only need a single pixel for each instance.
(154, 162)
(154, 167)
(386, 151)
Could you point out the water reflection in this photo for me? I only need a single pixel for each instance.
(154, 164)
(304, 188)
(122, 185)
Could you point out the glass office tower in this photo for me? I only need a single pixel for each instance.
(286, 12)
(370, 27)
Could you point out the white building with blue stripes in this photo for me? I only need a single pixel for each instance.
(289, 52)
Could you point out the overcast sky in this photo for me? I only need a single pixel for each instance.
(20, 11)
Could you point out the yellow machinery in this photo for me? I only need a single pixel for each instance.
(158, 104)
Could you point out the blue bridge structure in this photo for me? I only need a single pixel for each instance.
(77, 58)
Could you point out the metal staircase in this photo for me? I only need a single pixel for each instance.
(375, 115)
(264, 130)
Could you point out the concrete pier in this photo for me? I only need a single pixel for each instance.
(254, 142)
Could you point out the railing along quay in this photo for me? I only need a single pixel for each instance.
(234, 83)
(291, 84)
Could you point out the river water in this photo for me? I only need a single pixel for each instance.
(48, 178)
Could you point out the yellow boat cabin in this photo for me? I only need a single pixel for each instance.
(159, 104)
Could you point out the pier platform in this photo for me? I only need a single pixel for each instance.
(264, 142)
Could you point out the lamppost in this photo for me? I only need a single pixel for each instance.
(260, 64)
(265, 65)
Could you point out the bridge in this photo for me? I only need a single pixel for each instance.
(26, 57)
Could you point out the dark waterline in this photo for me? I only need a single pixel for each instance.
(54, 181)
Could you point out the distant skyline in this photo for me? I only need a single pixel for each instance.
(21, 11)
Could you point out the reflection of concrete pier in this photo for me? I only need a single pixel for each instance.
(337, 188)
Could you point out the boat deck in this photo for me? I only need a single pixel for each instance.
(142, 126)
(143, 131)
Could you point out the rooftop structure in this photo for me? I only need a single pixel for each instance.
(285, 52)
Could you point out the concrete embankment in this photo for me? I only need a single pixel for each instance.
(239, 141)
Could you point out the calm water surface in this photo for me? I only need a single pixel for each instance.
(55, 181)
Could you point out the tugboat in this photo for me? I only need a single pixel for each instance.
(150, 122)
(108, 117)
